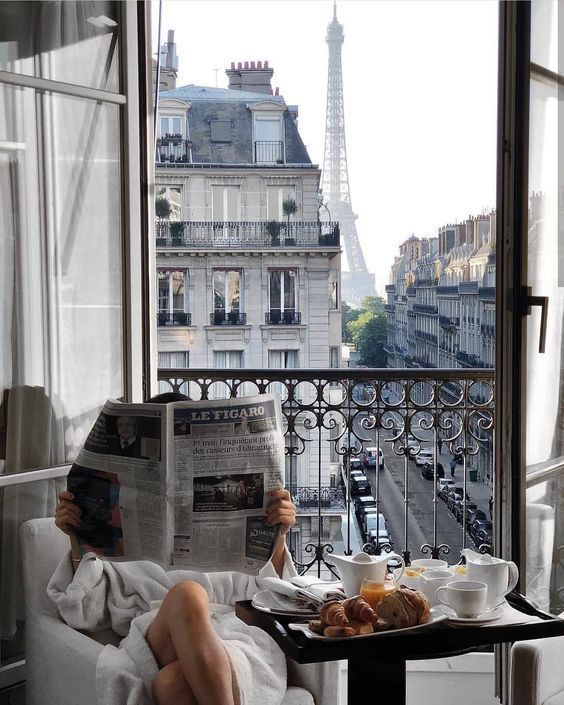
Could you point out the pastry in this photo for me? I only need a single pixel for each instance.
(403, 608)
(358, 608)
(333, 614)
(338, 631)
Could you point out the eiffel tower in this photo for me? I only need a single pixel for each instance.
(357, 282)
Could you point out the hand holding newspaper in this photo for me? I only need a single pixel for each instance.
(183, 484)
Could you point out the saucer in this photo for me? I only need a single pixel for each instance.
(491, 615)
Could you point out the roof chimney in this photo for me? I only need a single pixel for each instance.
(254, 78)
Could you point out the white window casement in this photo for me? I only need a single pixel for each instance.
(226, 203)
(177, 359)
(227, 359)
(227, 292)
(268, 132)
(172, 297)
(283, 359)
(275, 196)
(172, 125)
(282, 296)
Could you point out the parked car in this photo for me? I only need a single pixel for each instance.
(443, 483)
(360, 485)
(361, 504)
(381, 538)
(424, 456)
(370, 457)
(484, 536)
(428, 472)
(473, 517)
(480, 525)
(375, 528)
(355, 464)
(470, 506)
(372, 519)
(454, 494)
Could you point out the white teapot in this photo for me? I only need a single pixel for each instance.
(353, 569)
(500, 576)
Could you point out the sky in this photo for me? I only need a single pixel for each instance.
(420, 90)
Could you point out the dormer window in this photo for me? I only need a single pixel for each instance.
(268, 133)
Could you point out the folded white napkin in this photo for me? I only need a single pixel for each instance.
(312, 593)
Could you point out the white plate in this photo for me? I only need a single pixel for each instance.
(485, 618)
(436, 616)
(274, 603)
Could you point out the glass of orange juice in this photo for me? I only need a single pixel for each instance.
(373, 590)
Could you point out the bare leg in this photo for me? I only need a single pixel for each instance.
(170, 687)
(182, 631)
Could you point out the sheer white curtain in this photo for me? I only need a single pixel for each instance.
(60, 258)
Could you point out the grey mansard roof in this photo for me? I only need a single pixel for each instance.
(209, 104)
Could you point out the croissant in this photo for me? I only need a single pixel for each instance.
(358, 608)
(333, 614)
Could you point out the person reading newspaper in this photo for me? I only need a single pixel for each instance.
(183, 644)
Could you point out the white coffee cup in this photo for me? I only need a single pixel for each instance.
(429, 564)
(468, 598)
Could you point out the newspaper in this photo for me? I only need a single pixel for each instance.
(182, 484)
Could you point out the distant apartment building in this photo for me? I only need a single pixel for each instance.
(441, 302)
(241, 282)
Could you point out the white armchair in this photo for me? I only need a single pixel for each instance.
(537, 673)
(61, 661)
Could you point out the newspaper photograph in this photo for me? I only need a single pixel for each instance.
(183, 484)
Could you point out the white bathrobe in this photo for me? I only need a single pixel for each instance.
(125, 597)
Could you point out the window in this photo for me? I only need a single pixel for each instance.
(172, 298)
(173, 195)
(220, 130)
(282, 295)
(227, 359)
(283, 359)
(275, 196)
(174, 360)
(226, 295)
(225, 203)
(334, 357)
(71, 223)
(333, 289)
(268, 138)
(172, 125)
(178, 359)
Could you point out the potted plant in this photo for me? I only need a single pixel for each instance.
(162, 211)
(177, 232)
(289, 207)
(273, 228)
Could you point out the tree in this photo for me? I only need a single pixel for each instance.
(370, 340)
(289, 207)
(348, 316)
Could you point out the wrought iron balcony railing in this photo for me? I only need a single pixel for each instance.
(332, 416)
(247, 234)
(427, 309)
(172, 150)
(176, 318)
(287, 318)
(269, 152)
(233, 318)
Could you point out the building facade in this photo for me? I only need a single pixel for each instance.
(441, 306)
(247, 274)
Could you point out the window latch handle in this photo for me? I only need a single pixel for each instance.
(541, 301)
